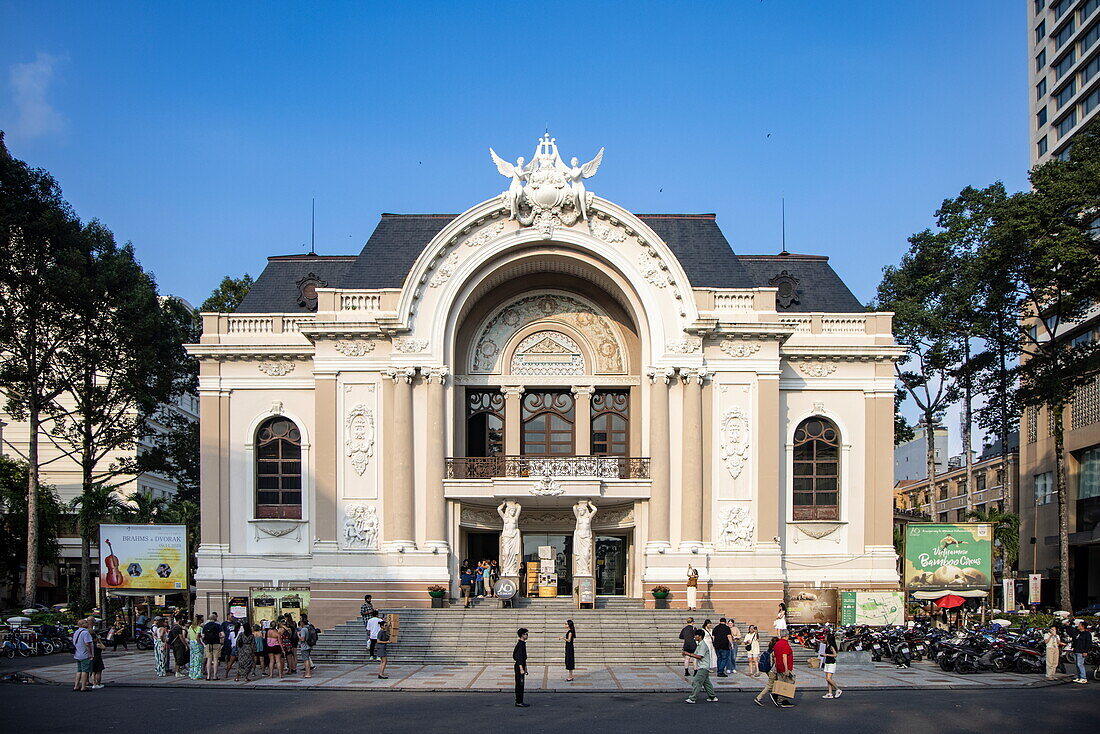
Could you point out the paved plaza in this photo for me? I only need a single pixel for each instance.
(135, 669)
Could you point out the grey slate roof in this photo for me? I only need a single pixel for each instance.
(695, 239)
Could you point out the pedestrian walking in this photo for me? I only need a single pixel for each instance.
(781, 620)
(83, 655)
(723, 643)
(98, 647)
(374, 626)
(781, 667)
(366, 611)
(274, 651)
(735, 644)
(704, 659)
(752, 650)
(519, 657)
(230, 629)
(383, 648)
(177, 640)
(117, 634)
(828, 664)
(1081, 644)
(570, 659)
(160, 647)
(466, 582)
(212, 639)
(687, 634)
(290, 644)
(307, 638)
(246, 653)
(1053, 647)
(692, 588)
(195, 649)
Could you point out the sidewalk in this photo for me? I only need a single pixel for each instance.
(136, 670)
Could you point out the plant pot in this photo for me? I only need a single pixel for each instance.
(660, 594)
(661, 602)
(438, 602)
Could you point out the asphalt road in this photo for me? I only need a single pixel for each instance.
(28, 709)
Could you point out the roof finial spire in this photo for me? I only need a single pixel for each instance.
(783, 226)
(313, 227)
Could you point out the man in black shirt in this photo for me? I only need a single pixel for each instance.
(519, 654)
(723, 637)
(687, 634)
(1081, 644)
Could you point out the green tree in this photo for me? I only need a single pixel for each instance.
(903, 432)
(1006, 533)
(186, 512)
(1046, 247)
(228, 295)
(40, 250)
(13, 521)
(143, 507)
(175, 454)
(96, 504)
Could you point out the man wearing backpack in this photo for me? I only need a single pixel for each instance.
(778, 663)
(212, 639)
(307, 638)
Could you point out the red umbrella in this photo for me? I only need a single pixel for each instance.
(950, 601)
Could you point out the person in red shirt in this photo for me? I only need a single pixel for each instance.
(782, 669)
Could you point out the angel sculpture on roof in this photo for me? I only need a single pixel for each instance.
(576, 174)
(519, 174)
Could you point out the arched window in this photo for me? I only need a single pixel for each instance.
(278, 469)
(816, 470)
(611, 423)
(548, 417)
(484, 423)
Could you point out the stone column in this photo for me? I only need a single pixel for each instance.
(400, 495)
(659, 502)
(768, 441)
(436, 509)
(582, 429)
(210, 451)
(691, 477)
(327, 442)
(513, 416)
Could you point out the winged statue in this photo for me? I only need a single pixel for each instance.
(518, 173)
(576, 174)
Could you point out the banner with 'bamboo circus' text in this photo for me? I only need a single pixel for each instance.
(944, 556)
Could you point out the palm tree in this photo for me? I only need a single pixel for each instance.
(97, 503)
(186, 512)
(145, 508)
(1006, 533)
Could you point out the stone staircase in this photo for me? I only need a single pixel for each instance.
(619, 631)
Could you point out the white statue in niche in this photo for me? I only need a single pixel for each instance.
(584, 511)
(361, 526)
(518, 173)
(509, 538)
(737, 527)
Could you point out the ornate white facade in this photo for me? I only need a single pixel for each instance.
(546, 347)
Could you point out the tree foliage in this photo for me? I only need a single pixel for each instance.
(1006, 532)
(228, 295)
(13, 521)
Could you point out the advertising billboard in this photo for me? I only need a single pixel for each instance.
(952, 557)
(143, 557)
(812, 606)
(876, 608)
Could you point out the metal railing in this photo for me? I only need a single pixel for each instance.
(601, 467)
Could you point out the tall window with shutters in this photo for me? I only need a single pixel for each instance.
(816, 470)
(278, 469)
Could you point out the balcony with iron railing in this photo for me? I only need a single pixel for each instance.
(598, 467)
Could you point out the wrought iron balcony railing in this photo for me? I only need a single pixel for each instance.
(601, 467)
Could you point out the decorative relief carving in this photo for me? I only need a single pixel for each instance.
(818, 369)
(740, 349)
(819, 408)
(408, 345)
(545, 486)
(474, 516)
(607, 233)
(360, 526)
(547, 353)
(590, 322)
(485, 235)
(541, 519)
(653, 269)
(281, 530)
(735, 440)
(819, 531)
(359, 437)
(736, 528)
(276, 407)
(354, 347)
(788, 289)
(444, 272)
(687, 345)
(277, 369)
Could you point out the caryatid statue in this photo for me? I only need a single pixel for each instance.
(509, 538)
(584, 511)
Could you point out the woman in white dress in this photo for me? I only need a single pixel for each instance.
(692, 588)
(781, 620)
(752, 649)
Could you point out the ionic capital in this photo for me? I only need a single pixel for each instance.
(583, 390)
(666, 374)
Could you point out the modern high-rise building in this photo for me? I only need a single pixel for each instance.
(1064, 70)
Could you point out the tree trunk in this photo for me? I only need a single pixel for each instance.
(1064, 600)
(1008, 489)
(968, 421)
(30, 585)
(930, 457)
(87, 588)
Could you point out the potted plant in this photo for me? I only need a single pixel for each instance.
(437, 593)
(660, 596)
